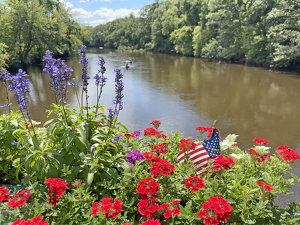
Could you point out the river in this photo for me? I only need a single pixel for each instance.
(186, 92)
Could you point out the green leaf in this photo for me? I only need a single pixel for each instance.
(51, 171)
(90, 178)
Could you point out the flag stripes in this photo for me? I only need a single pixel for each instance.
(198, 157)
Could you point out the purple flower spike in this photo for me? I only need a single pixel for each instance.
(14, 143)
(84, 61)
(5, 105)
(133, 156)
(73, 83)
(20, 86)
(116, 138)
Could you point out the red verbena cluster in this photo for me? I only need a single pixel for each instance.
(57, 187)
(260, 141)
(215, 210)
(287, 153)
(163, 136)
(186, 144)
(158, 165)
(34, 221)
(265, 185)
(155, 123)
(95, 209)
(152, 132)
(222, 161)
(151, 222)
(147, 190)
(195, 183)
(171, 209)
(109, 209)
(160, 149)
(260, 158)
(19, 199)
(163, 167)
(205, 129)
(4, 194)
(132, 135)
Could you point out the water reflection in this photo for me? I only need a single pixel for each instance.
(185, 92)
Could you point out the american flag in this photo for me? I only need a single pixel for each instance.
(203, 152)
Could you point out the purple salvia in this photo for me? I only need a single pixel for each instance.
(100, 80)
(116, 138)
(85, 77)
(63, 78)
(20, 87)
(52, 69)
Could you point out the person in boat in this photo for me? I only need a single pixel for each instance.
(126, 66)
(130, 61)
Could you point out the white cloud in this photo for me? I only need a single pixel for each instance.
(81, 13)
(67, 4)
(96, 22)
(119, 13)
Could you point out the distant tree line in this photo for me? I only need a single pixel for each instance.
(30, 27)
(261, 32)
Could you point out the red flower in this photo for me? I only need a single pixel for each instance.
(265, 185)
(234, 145)
(222, 161)
(175, 202)
(147, 187)
(260, 158)
(57, 187)
(4, 194)
(287, 153)
(151, 222)
(34, 221)
(215, 210)
(109, 209)
(201, 214)
(176, 211)
(160, 149)
(167, 214)
(151, 131)
(195, 183)
(155, 123)
(163, 136)
(162, 166)
(205, 129)
(19, 199)
(132, 135)
(186, 144)
(260, 141)
(95, 209)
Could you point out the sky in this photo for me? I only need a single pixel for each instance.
(94, 12)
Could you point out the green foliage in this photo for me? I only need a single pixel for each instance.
(259, 32)
(29, 28)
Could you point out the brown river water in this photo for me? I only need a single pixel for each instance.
(186, 92)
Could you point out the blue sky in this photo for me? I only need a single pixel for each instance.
(94, 12)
